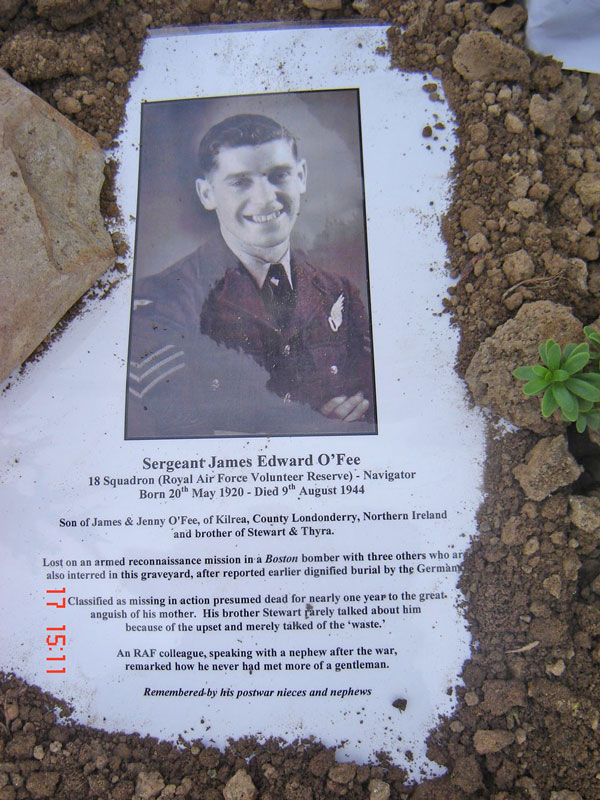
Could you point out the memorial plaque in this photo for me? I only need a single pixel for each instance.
(238, 489)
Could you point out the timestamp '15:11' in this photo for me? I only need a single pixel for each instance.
(56, 641)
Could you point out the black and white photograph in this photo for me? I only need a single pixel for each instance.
(250, 311)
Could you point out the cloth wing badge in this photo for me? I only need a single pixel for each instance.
(336, 314)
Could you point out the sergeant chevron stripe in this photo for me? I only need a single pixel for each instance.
(148, 372)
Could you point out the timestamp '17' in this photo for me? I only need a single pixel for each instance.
(55, 641)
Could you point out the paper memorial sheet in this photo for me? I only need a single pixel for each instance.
(237, 491)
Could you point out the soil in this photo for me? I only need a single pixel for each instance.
(527, 719)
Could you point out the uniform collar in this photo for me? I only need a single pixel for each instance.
(256, 266)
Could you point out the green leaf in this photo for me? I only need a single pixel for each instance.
(576, 362)
(593, 420)
(541, 372)
(584, 405)
(542, 350)
(567, 402)
(590, 377)
(581, 423)
(592, 335)
(525, 373)
(559, 376)
(553, 354)
(549, 404)
(568, 351)
(583, 389)
(535, 386)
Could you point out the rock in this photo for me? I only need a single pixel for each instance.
(466, 774)
(21, 745)
(342, 773)
(513, 124)
(240, 787)
(553, 585)
(492, 741)
(585, 512)
(149, 785)
(515, 344)
(548, 466)
(571, 93)
(526, 208)
(588, 188)
(478, 243)
(545, 114)
(64, 13)
(323, 5)
(508, 19)
(483, 56)
(501, 696)
(571, 566)
(479, 132)
(41, 785)
(52, 237)
(518, 266)
(69, 105)
(379, 790)
(8, 9)
(565, 794)
(472, 219)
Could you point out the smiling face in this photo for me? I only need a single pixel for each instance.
(255, 191)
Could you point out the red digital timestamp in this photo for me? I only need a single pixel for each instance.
(56, 641)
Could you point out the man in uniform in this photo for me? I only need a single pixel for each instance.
(244, 335)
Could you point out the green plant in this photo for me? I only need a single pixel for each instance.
(568, 380)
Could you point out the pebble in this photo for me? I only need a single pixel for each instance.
(471, 698)
(149, 785)
(481, 55)
(379, 790)
(544, 113)
(553, 585)
(240, 787)
(69, 105)
(513, 124)
(526, 208)
(548, 466)
(486, 741)
(508, 19)
(518, 267)
(342, 773)
(478, 243)
(588, 189)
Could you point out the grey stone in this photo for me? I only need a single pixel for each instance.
(483, 56)
(585, 512)
(548, 466)
(515, 344)
(588, 188)
(518, 266)
(508, 19)
(149, 785)
(240, 787)
(52, 237)
(379, 790)
(65, 13)
(545, 114)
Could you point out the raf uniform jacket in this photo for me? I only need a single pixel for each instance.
(207, 359)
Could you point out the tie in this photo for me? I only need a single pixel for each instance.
(278, 295)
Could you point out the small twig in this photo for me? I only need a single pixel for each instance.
(532, 282)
